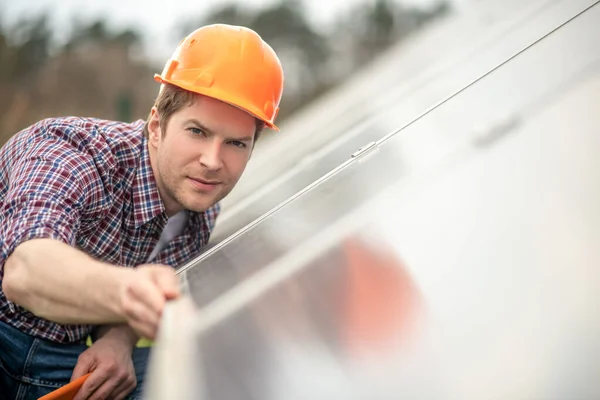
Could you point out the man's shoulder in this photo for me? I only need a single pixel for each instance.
(114, 142)
(117, 134)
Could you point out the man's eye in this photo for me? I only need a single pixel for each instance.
(236, 143)
(196, 131)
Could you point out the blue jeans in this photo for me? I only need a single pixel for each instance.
(31, 367)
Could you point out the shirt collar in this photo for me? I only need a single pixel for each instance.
(147, 203)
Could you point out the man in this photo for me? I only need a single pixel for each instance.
(83, 198)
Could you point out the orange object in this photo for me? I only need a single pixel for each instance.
(379, 300)
(229, 63)
(68, 391)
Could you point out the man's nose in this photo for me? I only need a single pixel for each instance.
(210, 158)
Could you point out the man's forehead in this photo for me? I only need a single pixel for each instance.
(216, 123)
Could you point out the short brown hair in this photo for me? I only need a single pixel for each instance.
(172, 99)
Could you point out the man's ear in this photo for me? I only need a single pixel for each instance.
(154, 132)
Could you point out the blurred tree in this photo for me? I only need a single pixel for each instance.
(30, 49)
(380, 23)
(24, 49)
(370, 28)
(127, 37)
(97, 33)
(285, 25)
(304, 52)
(4, 56)
(92, 75)
(95, 73)
(124, 106)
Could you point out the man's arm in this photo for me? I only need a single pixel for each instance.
(52, 183)
(60, 283)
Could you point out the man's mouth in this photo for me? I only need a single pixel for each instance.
(204, 185)
(204, 181)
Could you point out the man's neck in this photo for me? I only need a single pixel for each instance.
(171, 205)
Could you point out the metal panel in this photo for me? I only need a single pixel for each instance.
(416, 77)
(492, 106)
(495, 296)
(473, 274)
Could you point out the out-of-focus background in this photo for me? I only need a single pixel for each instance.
(76, 57)
(426, 224)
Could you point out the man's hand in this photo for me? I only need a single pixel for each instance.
(109, 361)
(144, 295)
(60, 283)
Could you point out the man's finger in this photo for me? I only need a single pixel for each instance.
(168, 282)
(92, 383)
(125, 386)
(83, 366)
(149, 294)
(137, 312)
(106, 390)
(122, 391)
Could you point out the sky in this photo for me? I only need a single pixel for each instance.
(156, 19)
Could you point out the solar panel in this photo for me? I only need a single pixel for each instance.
(455, 258)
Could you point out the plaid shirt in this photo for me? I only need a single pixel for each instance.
(88, 183)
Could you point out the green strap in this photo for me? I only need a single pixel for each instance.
(143, 342)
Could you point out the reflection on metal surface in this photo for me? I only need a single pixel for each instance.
(378, 300)
(501, 255)
(459, 260)
(359, 300)
(445, 133)
(414, 80)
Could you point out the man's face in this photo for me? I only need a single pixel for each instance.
(202, 154)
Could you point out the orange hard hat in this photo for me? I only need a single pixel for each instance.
(229, 63)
